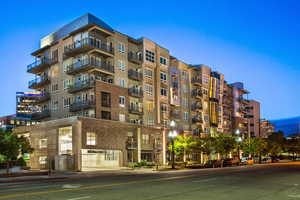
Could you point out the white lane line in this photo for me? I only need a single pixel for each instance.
(69, 186)
(85, 197)
(294, 196)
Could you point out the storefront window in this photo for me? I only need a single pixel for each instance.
(65, 140)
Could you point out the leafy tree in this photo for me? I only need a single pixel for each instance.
(255, 147)
(224, 144)
(292, 146)
(183, 145)
(275, 144)
(206, 145)
(12, 146)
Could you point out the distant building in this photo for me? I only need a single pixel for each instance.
(26, 104)
(11, 121)
(289, 126)
(254, 117)
(266, 128)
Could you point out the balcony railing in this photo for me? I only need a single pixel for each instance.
(38, 82)
(135, 110)
(135, 58)
(82, 105)
(81, 85)
(175, 115)
(87, 44)
(41, 115)
(43, 97)
(196, 93)
(131, 144)
(197, 119)
(135, 75)
(135, 92)
(39, 65)
(88, 64)
(196, 80)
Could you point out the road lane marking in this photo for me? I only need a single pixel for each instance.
(85, 197)
(205, 180)
(294, 196)
(94, 186)
(69, 186)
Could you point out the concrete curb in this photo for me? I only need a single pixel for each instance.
(31, 179)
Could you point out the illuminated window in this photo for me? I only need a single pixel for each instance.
(122, 117)
(43, 143)
(43, 160)
(111, 155)
(65, 140)
(90, 138)
(145, 139)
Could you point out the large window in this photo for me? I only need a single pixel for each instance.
(145, 139)
(122, 101)
(122, 83)
(163, 92)
(105, 99)
(111, 155)
(43, 143)
(163, 60)
(121, 48)
(150, 56)
(148, 89)
(105, 115)
(65, 140)
(186, 116)
(43, 160)
(148, 73)
(163, 76)
(122, 117)
(90, 138)
(122, 66)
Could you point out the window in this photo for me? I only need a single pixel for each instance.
(184, 75)
(184, 89)
(55, 55)
(185, 102)
(67, 102)
(163, 60)
(65, 140)
(121, 48)
(163, 91)
(105, 115)
(150, 56)
(54, 105)
(43, 143)
(148, 73)
(90, 138)
(122, 117)
(111, 155)
(186, 116)
(206, 118)
(43, 160)
(66, 83)
(145, 139)
(54, 87)
(150, 122)
(122, 83)
(148, 89)
(163, 76)
(122, 66)
(163, 107)
(122, 101)
(105, 99)
(150, 106)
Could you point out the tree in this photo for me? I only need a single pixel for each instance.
(12, 146)
(255, 147)
(224, 144)
(183, 145)
(292, 146)
(206, 145)
(275, 144)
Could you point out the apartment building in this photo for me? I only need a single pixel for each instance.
(254, 118)
(101, 84)
(266, 128)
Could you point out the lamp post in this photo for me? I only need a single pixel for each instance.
(172, 135)
(239, 140)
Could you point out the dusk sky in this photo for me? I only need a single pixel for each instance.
(255, 42)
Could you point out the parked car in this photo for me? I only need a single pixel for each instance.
(246, 161)
(231, 162)
(213, 164)
(266, 160)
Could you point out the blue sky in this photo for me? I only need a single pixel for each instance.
(256, 42)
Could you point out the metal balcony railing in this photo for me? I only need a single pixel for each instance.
(89, 63)
(135, 92)
(135, 58)
(135, 75)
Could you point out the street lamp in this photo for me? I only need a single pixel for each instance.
(239, 140)
(172, 135)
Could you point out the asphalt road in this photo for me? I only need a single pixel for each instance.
(264, 182)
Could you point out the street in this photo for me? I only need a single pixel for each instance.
(261, 182)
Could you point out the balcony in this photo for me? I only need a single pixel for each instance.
(196, 106)
(82, 85)
(39, 82)
(135, 58)
(196, 80)
(131, 145)
(88, 64)
(197, 119)
(134, 92)
(39, 65)
(40, 115)
(137, 76)
(88, 44)
(83, 105)
(42, 98)
(196, 93)
(135, 110)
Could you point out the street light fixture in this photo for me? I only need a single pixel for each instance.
(172, 135)
(239, 140)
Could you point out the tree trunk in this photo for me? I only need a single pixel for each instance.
(259, 161)
(7, 167)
